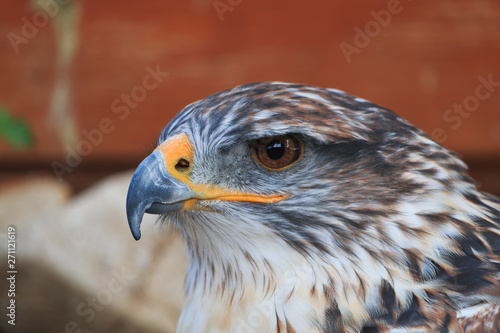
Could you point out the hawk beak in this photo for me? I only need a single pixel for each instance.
(153, 190)
(162, 184)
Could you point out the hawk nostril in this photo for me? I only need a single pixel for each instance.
(182, 165)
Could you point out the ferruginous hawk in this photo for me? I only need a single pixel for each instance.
(310, 210)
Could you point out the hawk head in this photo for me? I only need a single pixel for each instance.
(329, 211)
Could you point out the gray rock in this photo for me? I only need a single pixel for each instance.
(78, 267)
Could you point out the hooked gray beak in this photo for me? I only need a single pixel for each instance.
(153, 190)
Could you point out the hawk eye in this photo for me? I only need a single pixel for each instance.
(277, 152)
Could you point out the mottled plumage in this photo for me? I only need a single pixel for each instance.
(373, 226)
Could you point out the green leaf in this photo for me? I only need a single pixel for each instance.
(15, 131)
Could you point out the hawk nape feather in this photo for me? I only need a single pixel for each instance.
(310, 210)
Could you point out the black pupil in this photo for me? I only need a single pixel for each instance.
(275, 150)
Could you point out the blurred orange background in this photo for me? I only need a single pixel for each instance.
(68, 75)
(96, 82)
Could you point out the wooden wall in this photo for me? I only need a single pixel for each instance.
(425, 60)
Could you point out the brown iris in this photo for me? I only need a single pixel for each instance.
(278, 152)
